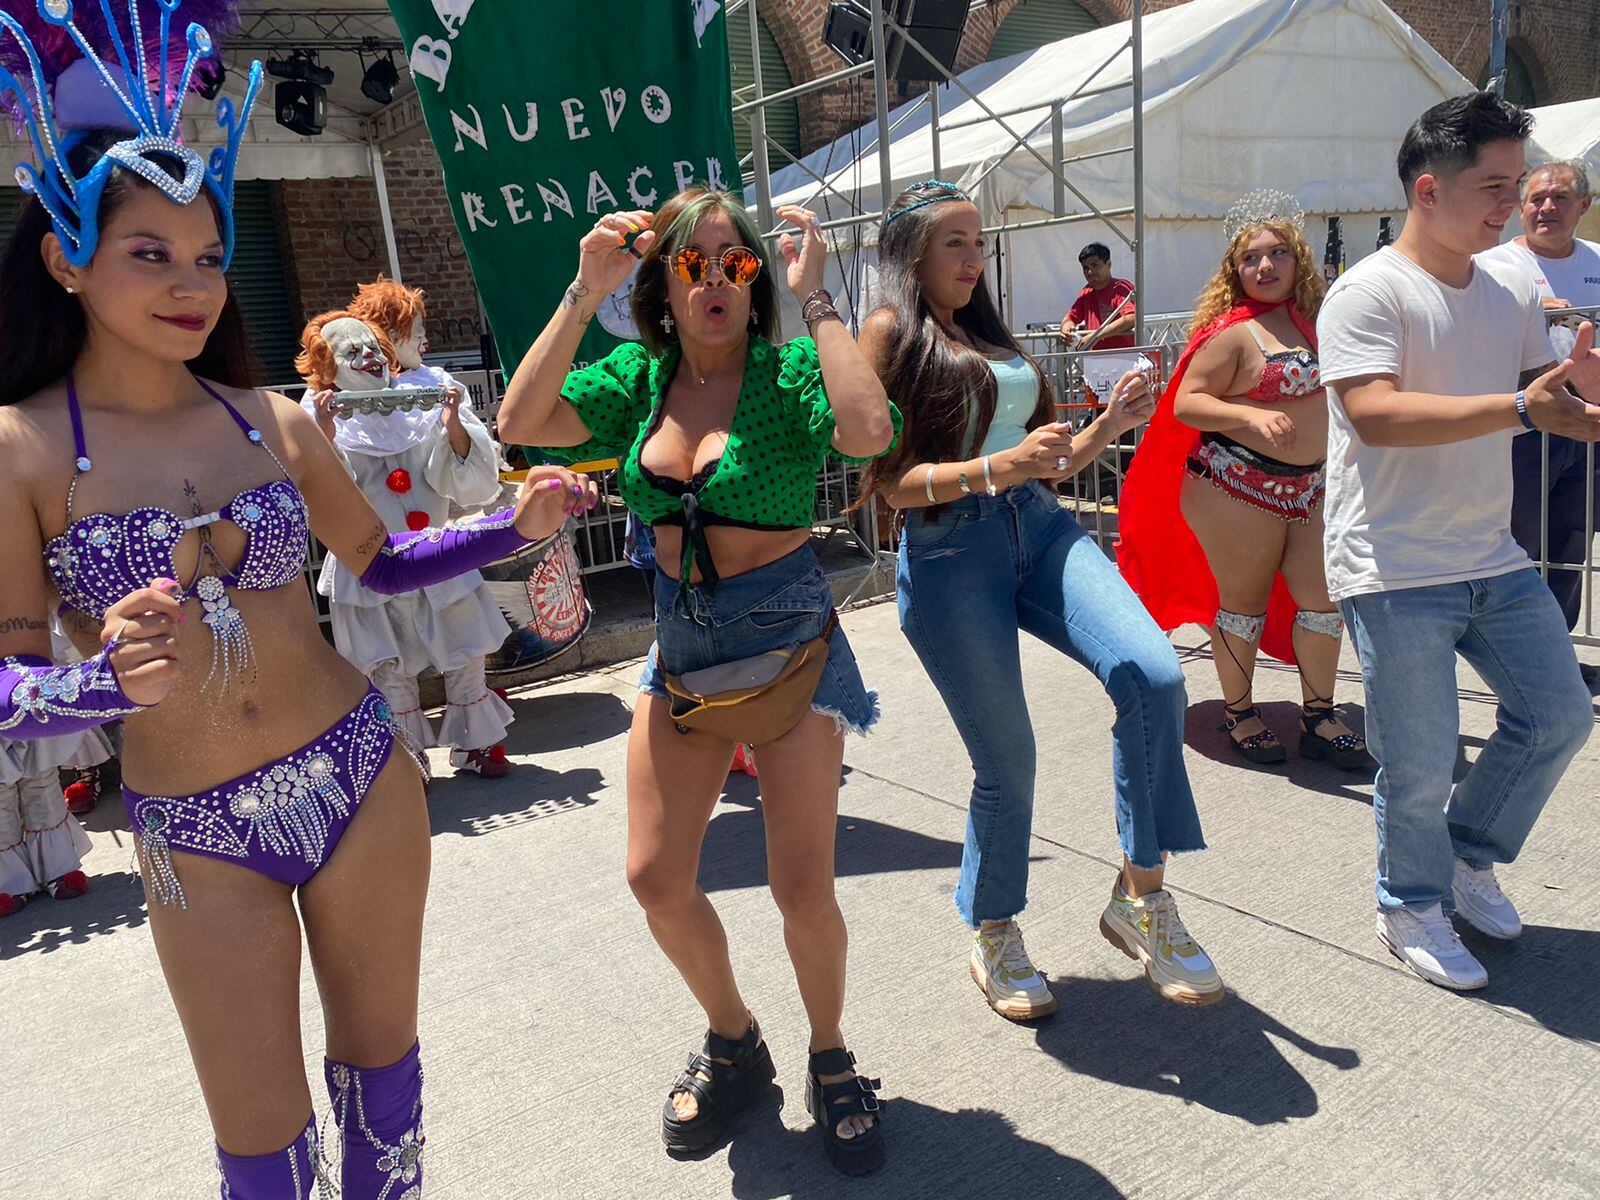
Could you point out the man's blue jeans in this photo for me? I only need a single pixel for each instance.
(972, 575)
(1510, 629)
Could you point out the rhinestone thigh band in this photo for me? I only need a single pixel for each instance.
(282, 820)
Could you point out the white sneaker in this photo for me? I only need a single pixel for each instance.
(1000, 966)
(1481, 903)
(1427, 943)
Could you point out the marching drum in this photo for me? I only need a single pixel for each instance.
(540, 590)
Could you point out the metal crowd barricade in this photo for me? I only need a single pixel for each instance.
(1585, 634)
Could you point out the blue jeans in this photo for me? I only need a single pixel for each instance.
(1510, 629)
(972, 575)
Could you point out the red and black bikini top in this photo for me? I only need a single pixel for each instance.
(1288, 374)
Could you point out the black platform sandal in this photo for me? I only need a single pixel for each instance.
(1261, 748)
(720, 1098)
(831, 1103)
(1347, 751)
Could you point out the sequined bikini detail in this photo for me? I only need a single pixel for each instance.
(282, 819)
(101, 557)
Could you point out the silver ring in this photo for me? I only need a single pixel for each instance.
(1062, 462)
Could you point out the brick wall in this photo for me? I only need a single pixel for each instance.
(333, 240)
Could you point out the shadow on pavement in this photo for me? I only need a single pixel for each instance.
(477, 806)
(1543, 973)
(1201, 733)
(1220, 1056)
(114, 902)
(551, 721)
(734, 853)
(932, 1153)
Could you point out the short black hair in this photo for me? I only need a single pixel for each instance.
(1449, 136)
(1095, 250)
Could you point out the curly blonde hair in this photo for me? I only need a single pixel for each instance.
(1224, 292)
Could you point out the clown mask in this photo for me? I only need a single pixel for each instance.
(411, 346)
(359, 363)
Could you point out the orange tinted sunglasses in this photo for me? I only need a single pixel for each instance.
(740, 265)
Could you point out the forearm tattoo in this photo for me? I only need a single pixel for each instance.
(379, 535)
(575, 292)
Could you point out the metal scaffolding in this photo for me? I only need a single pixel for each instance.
(751, 110)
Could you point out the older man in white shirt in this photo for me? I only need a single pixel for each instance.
(1566, 271)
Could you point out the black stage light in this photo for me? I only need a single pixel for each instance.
(301, 66)
(301, 107)
(380, 80)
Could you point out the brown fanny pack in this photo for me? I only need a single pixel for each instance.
(753, 700)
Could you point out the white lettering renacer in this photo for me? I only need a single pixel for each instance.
(615, 100)
(431, 58)
(515, 207)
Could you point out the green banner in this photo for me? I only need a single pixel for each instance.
(548, 113)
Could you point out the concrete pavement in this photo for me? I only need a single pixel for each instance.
(551, 1026)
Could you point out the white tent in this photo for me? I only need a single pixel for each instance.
(1310, 96)
(1571, 131)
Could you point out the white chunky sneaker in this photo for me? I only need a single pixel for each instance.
(1003, 972)
(1150, 931)
(1427, 943)
(1481, 903)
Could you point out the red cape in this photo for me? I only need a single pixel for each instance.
(1156, 551)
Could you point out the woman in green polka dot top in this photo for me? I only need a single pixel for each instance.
(721, 434)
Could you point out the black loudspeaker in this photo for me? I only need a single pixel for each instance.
(936, 24)
(301, 107)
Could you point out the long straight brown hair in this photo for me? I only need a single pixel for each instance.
(942, 388)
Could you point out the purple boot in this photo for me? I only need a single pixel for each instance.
(281, 1175)
(379, 1113)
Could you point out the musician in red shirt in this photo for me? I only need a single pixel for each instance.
(1105, 302)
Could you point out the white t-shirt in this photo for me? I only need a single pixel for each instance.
(1575, 279)
(1416, 516)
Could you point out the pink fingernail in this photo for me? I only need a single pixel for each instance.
(553, 486)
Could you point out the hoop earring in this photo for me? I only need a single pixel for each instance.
(667, 322)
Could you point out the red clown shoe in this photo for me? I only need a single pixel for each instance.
(491, 763)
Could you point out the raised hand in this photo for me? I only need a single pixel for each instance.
(605, 259)
(141, 630)
(806, 262)
(1553, 408)
(322, 405)
(1583, 364)
(550, 495)
(1132, 401)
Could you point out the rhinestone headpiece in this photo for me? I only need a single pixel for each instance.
(1259, 207)
(153, 110)
(941, 191)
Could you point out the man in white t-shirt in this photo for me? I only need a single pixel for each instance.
(1566, 271)
(1424, 353)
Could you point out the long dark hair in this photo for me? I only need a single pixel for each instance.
(42, 328)
(942, 388)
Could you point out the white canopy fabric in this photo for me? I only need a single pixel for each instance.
(1571, 131)
(1308, 96)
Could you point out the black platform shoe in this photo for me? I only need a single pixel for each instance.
(830, 1103)
(1347, 751)
(1261, 748)
(728, 1090)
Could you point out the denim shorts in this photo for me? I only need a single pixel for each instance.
(774, 607)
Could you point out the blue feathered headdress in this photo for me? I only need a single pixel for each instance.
(68, 76)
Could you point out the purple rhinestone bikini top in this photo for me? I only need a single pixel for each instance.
(99, 558)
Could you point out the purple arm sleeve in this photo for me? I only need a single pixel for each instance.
(39, 699)
(409, 561)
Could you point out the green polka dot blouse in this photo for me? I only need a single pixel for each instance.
(766, 478)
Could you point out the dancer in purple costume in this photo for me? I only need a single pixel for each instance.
(156, 498)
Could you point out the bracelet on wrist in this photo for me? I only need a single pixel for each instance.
(1522, 411)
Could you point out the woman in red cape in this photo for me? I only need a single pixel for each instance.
(1210, 465)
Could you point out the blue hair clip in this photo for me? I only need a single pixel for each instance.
(951, 191)
(73, 203)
